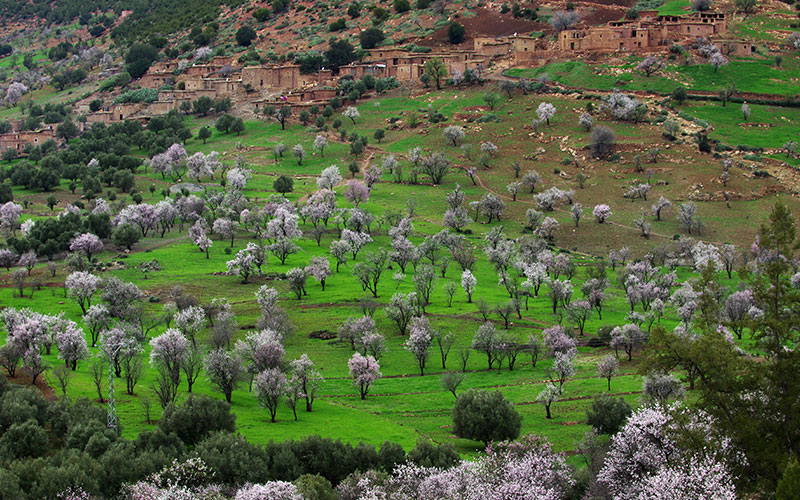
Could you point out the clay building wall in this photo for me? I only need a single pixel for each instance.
(18, 140)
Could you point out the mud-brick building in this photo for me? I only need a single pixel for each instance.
(736, 48)
(493, 47)
(649, 31)
(115, 113)
(409, 66)
(159, 74)
(18, 140)
(285, 77)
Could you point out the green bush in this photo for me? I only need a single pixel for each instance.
(283, 184)
(370, 38)
(245, 36)
(197, 418)
(456, 33)
(139, 58)
(261, 14)
(608, 414)
(24, 440)
(146, 95)
(485, 416)
(338, 25)
(427, 454)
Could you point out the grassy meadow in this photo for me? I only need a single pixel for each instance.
(404, 406)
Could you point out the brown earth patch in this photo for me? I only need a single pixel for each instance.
(21, 377)
(486, 23)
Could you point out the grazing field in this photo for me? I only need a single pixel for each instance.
(404, 406)
(757, 75)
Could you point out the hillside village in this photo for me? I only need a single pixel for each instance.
(254, 88)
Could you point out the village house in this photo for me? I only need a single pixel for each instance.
(649, 31)
(18, 140)
(115, 113)
(285, 77)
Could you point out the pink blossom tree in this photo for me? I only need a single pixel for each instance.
(260, 351)
(356, 192)
(28, 260)
(557, 339)
(646, 459)
(487, 341)
(15, 92)
(226, 228)
(272, 490)
(329, 178)
(419, 340)
(320, 269)
(225, 371)
(526, 469)
(547, 397)
(270, 386)
(356, 240)
(169, 350)
(364, 370)
(602, 212)
(307, 377)
(243, 264)
(9, 216)
(468, 283)
(545, 112)
(96, 319)
(8, 258)
(736, 310)
(87, 243)
(607, 368)
(628, 338)
(190, 322)
(204, 243)
(650, 65)
(81, 287)
(197, 167)
(353, 329)
(27, 333)
(71, 343)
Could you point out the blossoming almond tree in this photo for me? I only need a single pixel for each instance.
(364, 370)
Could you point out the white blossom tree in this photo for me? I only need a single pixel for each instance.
(352, 113)
(419, 341)
(546, 111)
(364, 370)
(81, 287)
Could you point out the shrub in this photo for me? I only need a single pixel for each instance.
(261, 14)
(679, 95)
(197, 418)
(139, 58)
(283, 184)
(245, 36)
(338, 25)
(427, 454)
(456, 33)
(485, 416)
(603, 140)
(233, 459)
(370, 38)
(608, 414)
(22, 440)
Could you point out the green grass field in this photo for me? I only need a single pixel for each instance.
(404, 406)
(749, 75)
